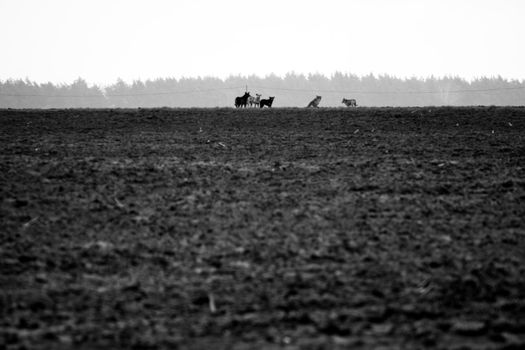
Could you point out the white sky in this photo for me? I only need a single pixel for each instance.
(102, 40)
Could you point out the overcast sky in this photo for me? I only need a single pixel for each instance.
(102, 40)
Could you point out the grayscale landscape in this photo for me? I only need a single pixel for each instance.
(285, 175)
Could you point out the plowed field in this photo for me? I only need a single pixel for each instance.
(364, 228)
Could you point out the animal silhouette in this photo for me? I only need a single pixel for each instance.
(242, 101)
(267, 102)
(254, 101)
(349, 102)
(315, 102)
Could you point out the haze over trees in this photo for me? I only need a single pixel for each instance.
(291, 90)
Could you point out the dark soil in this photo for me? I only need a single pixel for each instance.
(380, 228)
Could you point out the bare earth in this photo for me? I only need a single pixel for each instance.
(364, 228)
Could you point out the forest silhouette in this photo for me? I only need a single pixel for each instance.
(291, 90)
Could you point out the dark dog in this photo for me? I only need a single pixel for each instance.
(266, 102)
(242, 101)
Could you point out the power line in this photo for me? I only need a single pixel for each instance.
(365, 92)
(174, 92)
(102, 95)
(377, 92)
(58, 96)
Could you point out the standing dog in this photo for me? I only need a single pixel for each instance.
(266, 102)
(254, 101)
(242, 101)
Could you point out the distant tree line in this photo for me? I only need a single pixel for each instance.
(289, 91)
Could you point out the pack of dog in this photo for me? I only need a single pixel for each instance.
(256, 101)
(253, 101)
